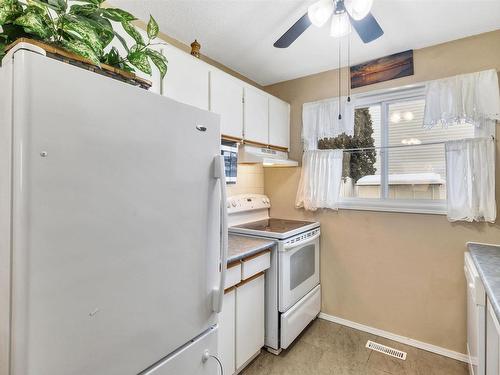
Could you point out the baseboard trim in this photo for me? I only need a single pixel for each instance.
(392, 336)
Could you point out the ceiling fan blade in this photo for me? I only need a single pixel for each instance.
(293, 32)
(368, 28)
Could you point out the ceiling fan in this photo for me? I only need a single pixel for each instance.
(344, 14)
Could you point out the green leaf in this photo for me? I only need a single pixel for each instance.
(37, 7)
(139, 59)
(153, 28)
(112, 57)
(58, 5)
(12, 32)
(83, 10)
(122, 41)
(102, 26)
(132, 31)
(81, 29)
(159, 60)
(82, 49)
(126, 67)
(9, 11)
(35, 23)
(95, 2)
(117, 15)
(2, 53)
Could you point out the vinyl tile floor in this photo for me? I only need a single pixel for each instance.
(326, 348)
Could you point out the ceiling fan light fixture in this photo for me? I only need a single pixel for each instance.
(358, 9)
(341, 25)
(320, 12)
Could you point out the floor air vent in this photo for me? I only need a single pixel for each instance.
(386, 350)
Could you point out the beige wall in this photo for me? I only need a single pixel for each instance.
(402, 273)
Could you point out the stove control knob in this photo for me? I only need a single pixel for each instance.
(233, 203)
(264, 200)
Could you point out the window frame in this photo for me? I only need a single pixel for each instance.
(423, 206)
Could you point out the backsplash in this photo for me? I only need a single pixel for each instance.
(250, 180)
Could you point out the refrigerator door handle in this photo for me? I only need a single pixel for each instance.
(218, 292)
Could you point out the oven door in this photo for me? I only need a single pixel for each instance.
(298, 268)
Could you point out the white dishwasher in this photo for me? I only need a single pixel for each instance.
(476, 318)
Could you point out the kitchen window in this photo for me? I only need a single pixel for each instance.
(392, 162)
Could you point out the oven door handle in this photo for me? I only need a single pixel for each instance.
(289, 246)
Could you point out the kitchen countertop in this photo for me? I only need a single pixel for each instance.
(487, 260)
(242, 246)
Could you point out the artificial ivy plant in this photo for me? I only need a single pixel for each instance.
(83, 27)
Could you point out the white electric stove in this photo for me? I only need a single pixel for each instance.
(293, 291)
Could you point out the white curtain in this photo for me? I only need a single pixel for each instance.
(470, 174)
(320, 179)
(321, 120)
(468, 98)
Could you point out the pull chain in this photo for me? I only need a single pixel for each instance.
(349, 68)
(340, 78)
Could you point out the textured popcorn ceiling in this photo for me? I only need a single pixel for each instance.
(240, 33)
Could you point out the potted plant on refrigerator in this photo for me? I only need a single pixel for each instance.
(81, 32)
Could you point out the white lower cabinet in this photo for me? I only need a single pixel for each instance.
(492, 342)
(227, 332)
(249, 319)
(241, 324)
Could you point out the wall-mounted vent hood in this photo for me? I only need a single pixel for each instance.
(267, 156)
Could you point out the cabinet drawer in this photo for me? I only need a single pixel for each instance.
(255, 264)
(299, 316)
(233, 274)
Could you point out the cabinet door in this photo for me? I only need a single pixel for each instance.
(279, 122)
(492, 342)
(256, 115)
(226, 99)
(187, 78)
(249, 320)
(227, 333)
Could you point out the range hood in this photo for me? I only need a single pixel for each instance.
(266, 156)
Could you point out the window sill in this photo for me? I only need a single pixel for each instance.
(388, 205)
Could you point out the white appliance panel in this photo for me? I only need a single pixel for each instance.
(299, 316)
(476, 318)
(189, 360)
(298, 268)
(5, 212)
(116, 226)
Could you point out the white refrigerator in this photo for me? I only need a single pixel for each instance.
(113, 237)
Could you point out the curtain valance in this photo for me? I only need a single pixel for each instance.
(468, 98)
(321, 120)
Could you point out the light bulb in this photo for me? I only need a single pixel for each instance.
(340, 25)
(408, 116)
(411, 141)
(320, 12)
(358, 9)
(396, 117)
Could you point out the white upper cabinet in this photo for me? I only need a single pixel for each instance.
(279, 122)
(261, 118)
(226, 99)
(187, 78)
(256, 118)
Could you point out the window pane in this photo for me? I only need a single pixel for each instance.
(417, 172)
(362, 168)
